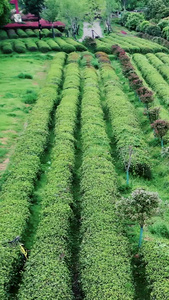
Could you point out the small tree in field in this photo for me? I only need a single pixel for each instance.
(160, 127)
(139, 207)
(50, 12)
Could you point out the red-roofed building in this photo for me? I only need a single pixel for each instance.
(31, 21)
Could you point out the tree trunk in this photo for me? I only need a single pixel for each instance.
(53, 32)
(141, 236)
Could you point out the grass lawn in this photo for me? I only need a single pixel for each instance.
(17, 95)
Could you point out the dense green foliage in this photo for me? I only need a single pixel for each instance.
(105, 268)
(3, 35)
(4, 12)
(19, 46)
(43, 46)
(56, 211)
(65, 46)
(153, 77)
(124, 123)
(34, 6)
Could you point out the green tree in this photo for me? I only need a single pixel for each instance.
(154, 9)
(139, 207)
(50, 12)
(34, 7)
(160, 127)
(72, 12)
(110, 6)
(4, 12)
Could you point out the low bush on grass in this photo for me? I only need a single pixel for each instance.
(25, 76)
(30, 97)
(31, 45)
(19, 46)
(65, 46)
(153, 30)
(43, 46)
(12, 34)
(30, 33)
(53, 45)
(78, 46)
(3, 34)
(6, 47)
(46, 32)
(21, 33)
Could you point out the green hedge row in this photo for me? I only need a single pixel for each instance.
(19, 46)
(64, 45)
(124, 123)
(32, 33)
(6, 47)
(12, 34)
(57, 44)
(43, 46)
(3, 35)
(23, 169)
(104, 255)
(77, 45)
(53, 45)
(31, 45)
(156, 257)
(47, 275)
(21, 33)
(132, 44)
(159, 65)
(164, 57)
(152, 76)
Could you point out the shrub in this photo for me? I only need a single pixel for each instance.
(12, 34)
(7, 47)
(46, 32)
(21, 33)
(30, 97)
(25, 76)
(57, 32)
(166, 32)
(153, 30)
(53, 45)
(143, 25)
(161, 127)
(133, 20)
(65, 46)
(31, 45)
(31, 33)
(78, 46)
(163, 23)
(19, 46)
(154, 113)
(43, 46)
(3, 34)
(102, 47)
(124, 17)
(90, 43)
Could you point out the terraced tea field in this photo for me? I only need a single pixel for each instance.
(68, 172)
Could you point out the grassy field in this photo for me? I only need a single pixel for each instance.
(17, 95)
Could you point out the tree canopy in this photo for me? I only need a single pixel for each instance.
(4, 12)
(34, 6)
